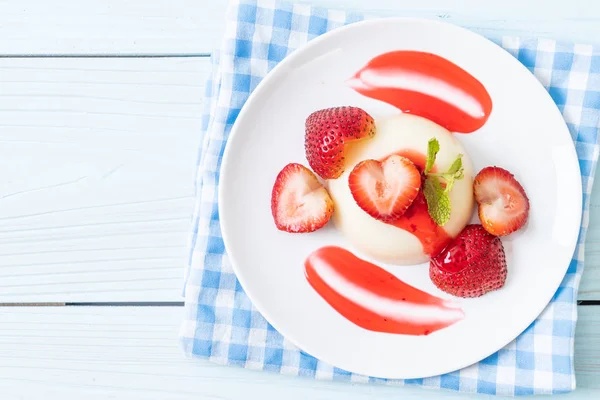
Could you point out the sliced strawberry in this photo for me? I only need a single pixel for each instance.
(299, 203)
(326, 133)
(385, 189)
(503, 204)
(472, 265)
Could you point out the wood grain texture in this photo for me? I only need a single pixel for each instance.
(133, 353)
(109, 26)
(101, 154)
(194, 27)
(590, 282)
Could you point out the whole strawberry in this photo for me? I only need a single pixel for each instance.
(326, 132)
(472, 265)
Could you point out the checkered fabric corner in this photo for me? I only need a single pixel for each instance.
(220, 322)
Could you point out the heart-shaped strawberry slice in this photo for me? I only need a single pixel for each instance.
(299, 203)
(385, 189)
(502, 201)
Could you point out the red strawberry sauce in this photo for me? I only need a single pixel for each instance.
(416, 219)
(427, 85)
(373, 298)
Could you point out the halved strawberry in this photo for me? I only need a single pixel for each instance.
(326, 132)
(385, 189)
(472, 265)
(503, 204)
(299, 203)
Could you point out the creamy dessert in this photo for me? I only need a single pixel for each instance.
(407, 241)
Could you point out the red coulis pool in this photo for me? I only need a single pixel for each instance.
(426, 85)
(373, 298)
(417, 220)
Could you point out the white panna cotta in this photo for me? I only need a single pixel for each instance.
(404, 134)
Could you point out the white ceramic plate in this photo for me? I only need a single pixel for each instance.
(525, 134)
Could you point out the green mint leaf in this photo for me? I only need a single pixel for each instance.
(438, 201)
(433, 146)
(456, 165)
(455, 172)
(449, 184)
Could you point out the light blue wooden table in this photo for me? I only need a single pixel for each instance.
(99, 118)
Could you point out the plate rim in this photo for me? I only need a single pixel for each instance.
(290, 59)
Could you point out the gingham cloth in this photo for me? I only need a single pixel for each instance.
(220, 321)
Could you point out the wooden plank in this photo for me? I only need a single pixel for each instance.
(99, 352)
(109, 26)
(192, 27)
(590, 282)
(97, 190)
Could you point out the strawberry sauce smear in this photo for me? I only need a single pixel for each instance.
(426, 85)
(374, 299)
(417, 220)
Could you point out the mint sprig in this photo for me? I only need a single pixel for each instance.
(438, 185)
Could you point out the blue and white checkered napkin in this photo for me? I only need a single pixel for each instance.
(220, 321)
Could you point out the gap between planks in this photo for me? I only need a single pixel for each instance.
(160, 304)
